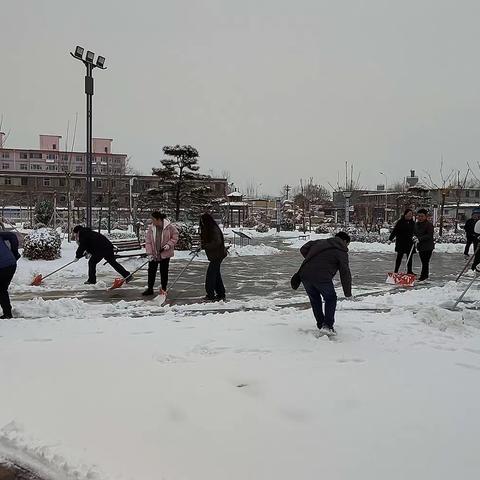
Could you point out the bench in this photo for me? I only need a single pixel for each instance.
(128, 245)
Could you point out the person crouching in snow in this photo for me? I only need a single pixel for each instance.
(323, 259)
(8, 264)
(96, 247)
(160, 241)
(476, 260)
(212, 241)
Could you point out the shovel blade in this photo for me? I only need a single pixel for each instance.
(117, 283)
(402, 279)
(37, 280)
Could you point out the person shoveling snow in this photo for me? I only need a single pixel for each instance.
(8, 264)
(97, 247)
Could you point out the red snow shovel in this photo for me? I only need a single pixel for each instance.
(118, 282)
(37, 279)
(402, 279)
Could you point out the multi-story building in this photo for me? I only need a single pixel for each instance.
(28, 176)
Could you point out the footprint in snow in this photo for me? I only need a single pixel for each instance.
(38, 340)
(467, 365)
(350, 360)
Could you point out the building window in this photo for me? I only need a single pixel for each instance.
(52, 167)
(24, 181)
(24, 166)
(36, 155)
(5, 155)
(35, 166)
(65, 158)
(98, 183)
(63, 198)
(78, 183)
(61, 182)
(23, 155)
(5, 166)
(78, 168)
(54, 146)
(477, 193)
(8, 181)
(79, 159)
(46, 182)
(467, 193)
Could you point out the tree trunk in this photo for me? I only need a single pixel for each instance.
(442, 206)
(177, 194)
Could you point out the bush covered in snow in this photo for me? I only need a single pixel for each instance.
(43, 212)
(322, 229)
(262, 228)
(42, 244)
(186, 234)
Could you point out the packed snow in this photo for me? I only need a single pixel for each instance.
(241, 389)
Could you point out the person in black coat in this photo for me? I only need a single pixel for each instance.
(96, 247)
(323, 259)
(425, 243)
(402, 233)
(212, 241)
(469, 227)
(8, 264)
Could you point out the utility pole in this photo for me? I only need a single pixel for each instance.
(287, 190)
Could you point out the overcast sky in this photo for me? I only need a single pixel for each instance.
(270, 90)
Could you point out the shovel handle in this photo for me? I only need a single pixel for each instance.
(61, 268)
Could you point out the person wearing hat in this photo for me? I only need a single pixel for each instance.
(469, 227)
(476, 260)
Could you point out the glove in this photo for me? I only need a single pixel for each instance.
(88, 256)
(76, 259)
(151, 258)
(166, 247)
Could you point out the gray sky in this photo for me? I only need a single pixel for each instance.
(271, 90)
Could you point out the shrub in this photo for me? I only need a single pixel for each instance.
(261, 228)
(185, 236)
(42, 244)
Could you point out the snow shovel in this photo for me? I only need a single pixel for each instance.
(469, 261)
(460, 298)
(196, 252)
(37, 279)
(118, 282)
(402, 279)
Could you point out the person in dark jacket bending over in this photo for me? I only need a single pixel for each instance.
(97, 247)
(323, 259)
(402, 233)
(8, 264)
(469, 227)
(212, 241)
(424, 242)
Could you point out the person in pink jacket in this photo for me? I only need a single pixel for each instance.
(160, 241)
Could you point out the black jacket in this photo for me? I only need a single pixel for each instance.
(94, 243)
(402, 233)
(8, 254)
(424, 233)
(325, 259)
(469, 228)
(215, 245)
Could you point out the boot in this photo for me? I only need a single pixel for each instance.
(6, 316)
(148, 292)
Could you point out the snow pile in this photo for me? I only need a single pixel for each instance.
(440, 318)
(43, 244)
(249, 250)
(375, 247)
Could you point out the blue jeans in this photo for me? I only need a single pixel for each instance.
(315, 292)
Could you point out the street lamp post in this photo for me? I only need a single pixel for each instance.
(347, 196)
(88, 62)
(386, 196)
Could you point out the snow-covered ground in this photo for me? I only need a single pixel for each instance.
(95, 392)
(374, 247)
(239, 390)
